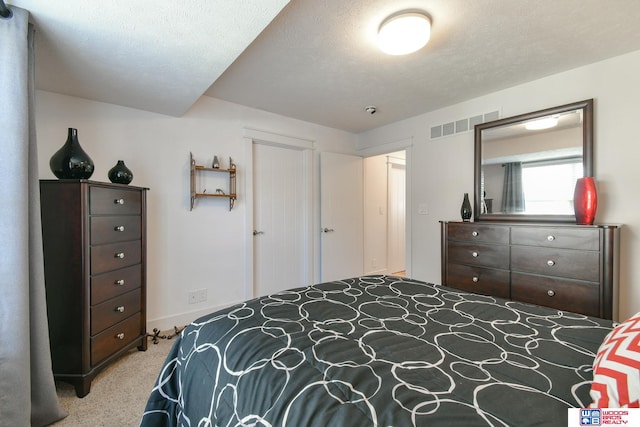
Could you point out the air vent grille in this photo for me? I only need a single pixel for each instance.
(462, 125)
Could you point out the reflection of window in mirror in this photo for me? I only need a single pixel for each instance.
(548, 186)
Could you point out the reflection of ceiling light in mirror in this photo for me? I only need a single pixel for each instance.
(544, 123)
(404, 33)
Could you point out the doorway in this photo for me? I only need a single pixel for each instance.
(385, 214)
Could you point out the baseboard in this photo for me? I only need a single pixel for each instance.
(182, 319)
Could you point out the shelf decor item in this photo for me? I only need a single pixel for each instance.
(71, 161)
(120, 173)
(216, 163)
(585, 200)
(465, 209)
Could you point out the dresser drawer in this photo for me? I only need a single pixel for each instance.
(478, 279)
(108, 201)
(115, 255)
(108, 229)
(116, 337)
(563, 294)
(478, 232)
(496, 256)
(579, 265)
(556, 237)
(114, 310)
(114, 283)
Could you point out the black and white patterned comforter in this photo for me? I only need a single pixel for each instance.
(377, 351)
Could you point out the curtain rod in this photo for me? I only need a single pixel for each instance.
(5, 12)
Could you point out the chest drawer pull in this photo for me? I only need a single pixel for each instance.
(551, 263)
(119, 228)
(119, 255)
(119, 201)
(551, 237)
(474, 233)
(120, 309)
(475, 279)
(550, 293)
(119, 282)
(120, 336)
(475, 254)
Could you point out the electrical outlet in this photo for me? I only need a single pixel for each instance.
(201, 295)
(192, 297)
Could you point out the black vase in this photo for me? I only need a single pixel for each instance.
(71, 161)
(465, 210)
(120, 173)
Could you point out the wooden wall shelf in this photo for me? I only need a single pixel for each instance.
(196, 169)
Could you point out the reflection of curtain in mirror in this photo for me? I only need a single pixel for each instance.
(512, 194)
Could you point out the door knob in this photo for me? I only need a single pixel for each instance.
(256, 232)
(327, 230)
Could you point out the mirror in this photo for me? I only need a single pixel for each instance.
(526, 166)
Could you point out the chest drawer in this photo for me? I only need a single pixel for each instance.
(555, 237)
(113, 201)
(108, 229)
(114, 310)
(478, 232)
(496, 256)
(579, 265)
(108, 285)
(563, 294)
(116, 337)
(115, 255)
(478, 279)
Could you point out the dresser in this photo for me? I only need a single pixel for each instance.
(94, 238)
(563, 266)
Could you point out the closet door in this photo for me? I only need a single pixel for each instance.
(280, 254)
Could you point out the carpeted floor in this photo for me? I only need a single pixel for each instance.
(119, 393)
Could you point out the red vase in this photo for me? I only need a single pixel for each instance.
(585, 200)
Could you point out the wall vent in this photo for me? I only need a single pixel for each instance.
(462, 125)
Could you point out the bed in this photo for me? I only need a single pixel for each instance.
(378, 351)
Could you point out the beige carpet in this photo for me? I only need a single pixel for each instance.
(119, 393)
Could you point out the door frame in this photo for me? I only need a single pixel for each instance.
(388, 148)
(255, 136)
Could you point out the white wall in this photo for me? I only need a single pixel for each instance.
(442, 169)
(201, 249)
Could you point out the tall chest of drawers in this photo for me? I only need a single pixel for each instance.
(568, 267)
(94, 238)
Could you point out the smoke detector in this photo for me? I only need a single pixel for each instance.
(371, 109)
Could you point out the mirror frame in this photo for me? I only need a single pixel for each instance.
(587, 159)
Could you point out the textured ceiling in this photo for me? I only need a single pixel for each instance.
(316, 60)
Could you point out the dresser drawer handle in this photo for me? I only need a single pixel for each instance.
(119, 282)
(120, 309)
(475, 279)
(119, 201)
(120, 336)
(551, 263)
(550, 293)
(119, 228)
(474, 254)
(551, 238)
(119, 255)
(474, 233)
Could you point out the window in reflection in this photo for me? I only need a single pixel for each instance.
(549, 186)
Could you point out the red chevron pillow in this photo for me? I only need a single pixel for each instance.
(616, 369)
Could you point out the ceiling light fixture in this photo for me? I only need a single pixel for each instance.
(544, 123)
(404, 33)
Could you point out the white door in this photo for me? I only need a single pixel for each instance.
(396, 208)
(279, 219)
(341, 216)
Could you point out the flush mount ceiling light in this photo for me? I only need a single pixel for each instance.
(544, 123)
(404, 33)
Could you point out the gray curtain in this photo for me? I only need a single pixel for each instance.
(27, 390)
(512, 192)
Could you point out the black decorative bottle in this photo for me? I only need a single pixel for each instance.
(120, 173)
(465, 210)
(71, 161)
